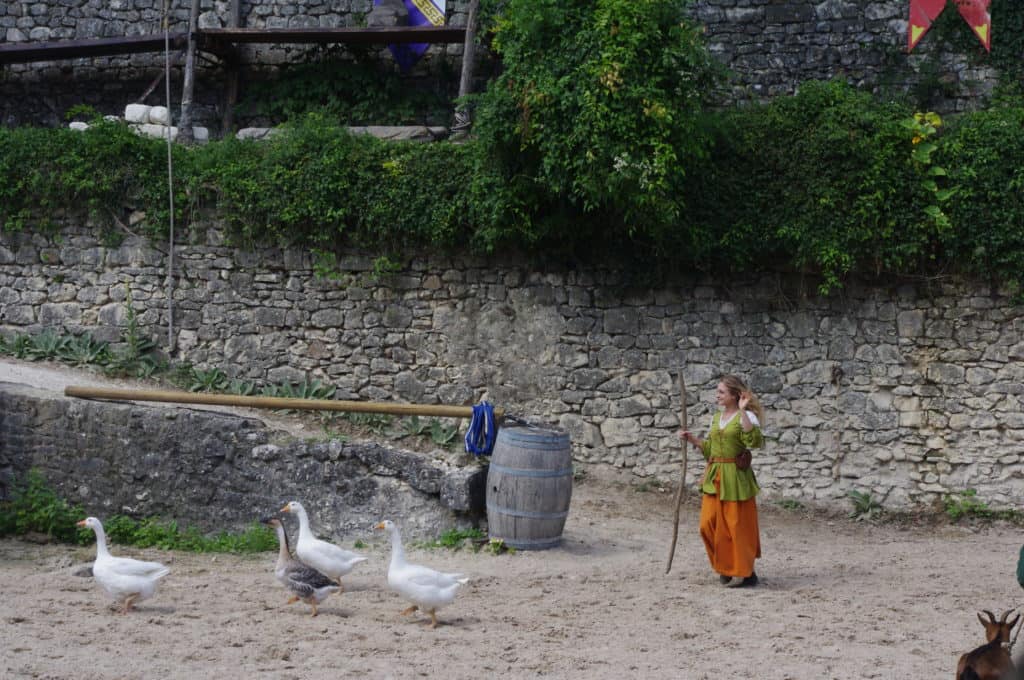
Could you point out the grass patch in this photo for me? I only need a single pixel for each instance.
(35, 508)
(966, 504)
(454, 538)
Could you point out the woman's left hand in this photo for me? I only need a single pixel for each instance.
(744, 400)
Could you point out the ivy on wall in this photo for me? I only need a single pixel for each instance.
(598, 150)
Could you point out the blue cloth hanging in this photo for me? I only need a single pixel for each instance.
(481, 433)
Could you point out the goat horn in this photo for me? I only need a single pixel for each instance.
(1003, 618)
(991, 616)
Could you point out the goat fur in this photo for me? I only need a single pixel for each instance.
(990, 661)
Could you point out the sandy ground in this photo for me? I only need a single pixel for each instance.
(838, 599)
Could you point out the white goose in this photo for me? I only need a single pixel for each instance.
(426, 588)
(126, 580)
(304, 582)
(325, 557)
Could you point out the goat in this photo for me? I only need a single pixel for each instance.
(991, 661)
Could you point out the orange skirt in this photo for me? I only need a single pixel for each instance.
(730, 534)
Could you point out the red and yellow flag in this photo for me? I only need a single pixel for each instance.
(974, 12)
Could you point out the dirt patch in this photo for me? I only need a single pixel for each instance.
(838, 599)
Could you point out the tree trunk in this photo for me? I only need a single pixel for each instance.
(231, 91)
(463, 117)
(185, 120)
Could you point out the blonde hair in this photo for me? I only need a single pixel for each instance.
(736, 385)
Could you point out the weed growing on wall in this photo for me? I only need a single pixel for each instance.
(34, 507)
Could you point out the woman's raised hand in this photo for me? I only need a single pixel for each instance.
(744, 400)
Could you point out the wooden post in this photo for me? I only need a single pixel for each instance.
(185, 120)
(233, 75)
(463, 117)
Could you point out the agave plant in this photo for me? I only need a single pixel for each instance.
(241, 387)
(441, 434)
(411, 427)
(47, 345)
(375, 422)
(310, 390)
(213, 380)
(83, 350)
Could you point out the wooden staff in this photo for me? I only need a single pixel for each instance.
(684, 424)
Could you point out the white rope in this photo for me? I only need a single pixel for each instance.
(170, 178)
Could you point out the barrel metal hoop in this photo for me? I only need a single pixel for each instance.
(526, 513)
(531, 543)
(521, 472)
(534, 443)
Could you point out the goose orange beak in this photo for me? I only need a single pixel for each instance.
(284, 509)
(378, 525)
(80, 524)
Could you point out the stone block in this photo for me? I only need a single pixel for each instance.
(910, 324)
(210, 20)
(620, 432)
(946, 374)
(157, 131)
(158, 115)
(137, 113)
(465, 490)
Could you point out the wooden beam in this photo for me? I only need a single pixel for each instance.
(218, 39)
(23, 53)
(85, 392)
(370, 35)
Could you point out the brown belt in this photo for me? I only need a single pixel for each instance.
(721, 460)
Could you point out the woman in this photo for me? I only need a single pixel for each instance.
(728, 513)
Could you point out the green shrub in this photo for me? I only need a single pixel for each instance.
(349, 91)
(966, 504)
(34, 507)
(988, 210)
(591, 127)
(823, 181)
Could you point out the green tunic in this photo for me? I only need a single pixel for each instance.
(736, 485)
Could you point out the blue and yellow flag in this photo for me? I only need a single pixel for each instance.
(421, 13)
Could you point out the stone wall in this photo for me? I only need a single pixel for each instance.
(771, 46)
(908, 392)
(218, 471)
(774, 45)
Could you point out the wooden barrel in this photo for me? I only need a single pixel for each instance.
(529, 485)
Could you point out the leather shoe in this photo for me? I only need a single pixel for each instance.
(724, 579)
(747, 582)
